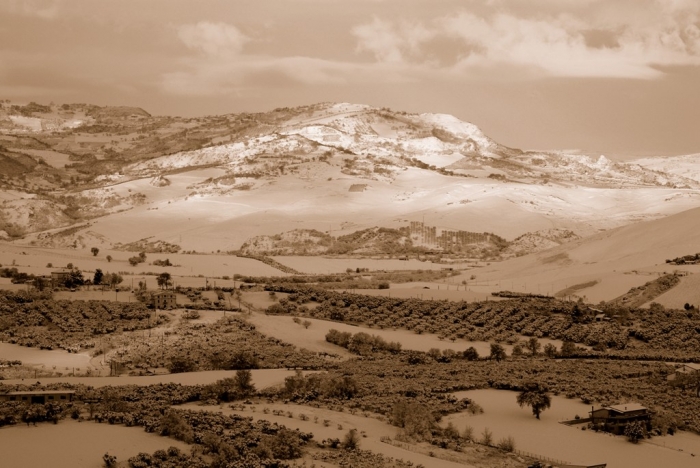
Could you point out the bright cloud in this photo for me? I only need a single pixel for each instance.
(665, 33)
(558, 38)
(214, 39)
(390, 42)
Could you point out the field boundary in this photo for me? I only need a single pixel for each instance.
(553, 461)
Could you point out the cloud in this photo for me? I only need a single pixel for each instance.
(201, 77)
(626, 42)
(213, 39)
(390, 42)
(504, 41)
(222, 66)
(44, 9)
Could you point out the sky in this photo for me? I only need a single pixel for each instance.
(614, 77)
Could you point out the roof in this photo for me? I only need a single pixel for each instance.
(162, 293)
(627, 407)
(42, 392)
(691, 365)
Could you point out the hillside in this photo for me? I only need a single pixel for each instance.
(213, 183)
(609, 263)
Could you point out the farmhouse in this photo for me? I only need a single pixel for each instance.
(39, 396)
(164, 300)
(615, 418)
(59, 277)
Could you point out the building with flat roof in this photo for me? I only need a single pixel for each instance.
(39, 396)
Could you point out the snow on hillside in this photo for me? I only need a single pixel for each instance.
(539, 241)
(30, 123)
(337, 164)
(615, 260)
(459, 128)
(687, 166)
(223, 154)
(20, 216)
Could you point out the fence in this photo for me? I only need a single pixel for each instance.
(436, 454)
(552, 461)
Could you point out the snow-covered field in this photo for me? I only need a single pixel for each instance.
(549, 438)
(72, 444)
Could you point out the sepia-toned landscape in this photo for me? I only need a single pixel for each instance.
(328, 283)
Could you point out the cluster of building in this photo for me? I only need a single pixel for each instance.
(443, 238)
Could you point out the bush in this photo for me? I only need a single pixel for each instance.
(475, 408)
(110, 461)
(351, 441)
(635, 431)
(175, 426)
(486, 436)
(468, 433)
(182, 364)
(507, 444)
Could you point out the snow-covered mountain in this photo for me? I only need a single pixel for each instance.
(379, 142)
(213, 182)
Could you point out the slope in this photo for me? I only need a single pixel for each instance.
(618, 259)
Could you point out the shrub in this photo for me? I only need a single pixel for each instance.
(351, 441)
(635, 431)
(110, 461)
(486, 436)
(468, 433)
(507, 444)
(175, 426)
(475, 408)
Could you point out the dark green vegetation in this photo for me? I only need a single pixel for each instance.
(691, 259)
(217, 440)
(535, 396)
(412, 390)
(230, 343)
(362, 343)
(36, 320)
(631, 333)
(647, 292)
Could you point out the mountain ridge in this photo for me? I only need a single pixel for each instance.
(309, 167)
